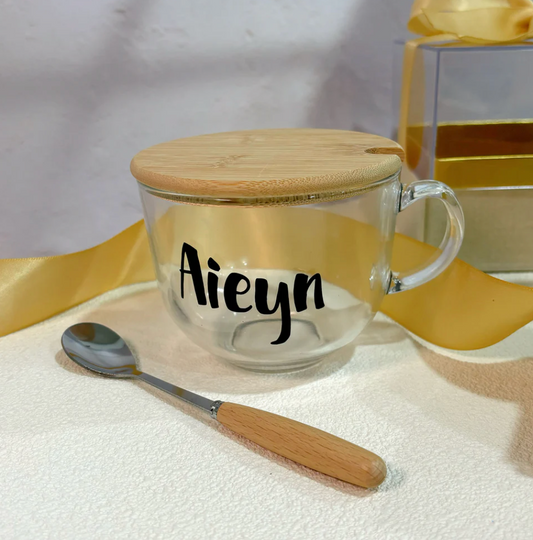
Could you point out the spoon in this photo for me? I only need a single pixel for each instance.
(99, 349)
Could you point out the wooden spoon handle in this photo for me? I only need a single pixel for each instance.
(304, 444)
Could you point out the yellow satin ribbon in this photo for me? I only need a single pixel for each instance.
(461, 309)
(35, 289)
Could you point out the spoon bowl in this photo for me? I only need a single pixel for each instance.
(97, 348)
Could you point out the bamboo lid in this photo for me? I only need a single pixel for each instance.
(268, 164)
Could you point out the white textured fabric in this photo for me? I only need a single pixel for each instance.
(89, 457)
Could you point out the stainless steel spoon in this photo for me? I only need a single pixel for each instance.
(99, 349)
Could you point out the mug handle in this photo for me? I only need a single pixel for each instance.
(451, 243)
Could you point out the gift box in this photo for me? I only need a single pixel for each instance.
(466, 119)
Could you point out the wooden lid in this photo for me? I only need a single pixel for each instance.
(268, 163)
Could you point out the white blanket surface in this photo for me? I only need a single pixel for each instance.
(83, 456)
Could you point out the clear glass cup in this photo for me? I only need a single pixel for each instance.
(276, 287)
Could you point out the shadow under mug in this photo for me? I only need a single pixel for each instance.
(277, 288)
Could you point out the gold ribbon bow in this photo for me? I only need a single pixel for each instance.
(483, 22)
(461, 309)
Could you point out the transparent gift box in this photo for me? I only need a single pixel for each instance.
(469, 124)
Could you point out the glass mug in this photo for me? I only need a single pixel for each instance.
(277, 283)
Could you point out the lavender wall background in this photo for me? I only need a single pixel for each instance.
(85, 85)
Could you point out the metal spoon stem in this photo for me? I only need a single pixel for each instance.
(201, 402)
